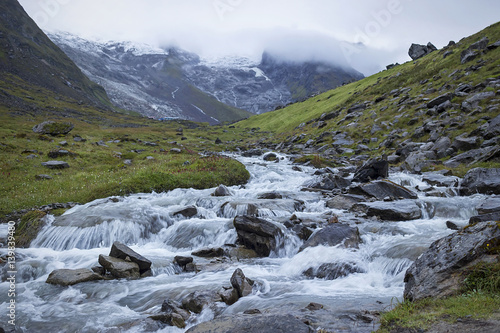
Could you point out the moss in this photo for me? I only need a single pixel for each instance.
(27, 230)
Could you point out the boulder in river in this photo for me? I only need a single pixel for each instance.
(121, 251)
(402, 210)
(330, 182)
(439, 271)
(345, 201)
(371, 170)
(481, 180)
(211, 252)
(196, 301)
(221, 191)
(257, 234)
(383, 189)
(69, 277)
(333, 235)
(241, 283)
(119, 268)
(332, 271)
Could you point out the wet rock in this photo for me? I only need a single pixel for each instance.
(119, 268)
(345, 201)
(69, 277)
(495, 216)
(183, 261)
(481, 180)
(417, 51)
(221, 191)
(372, 170)
(333, 235)
(55, 164)
(452, 225)
(252, 153)
(332, 271)
(264, 323)
(489, 210)
(314, 306)
(437, 179)
(252, 311)
(171, 319)
(330, 182)
(257, 234)
(270, 196)
(187, 212)
(196, 301)
(256, 207)
(383, 189)
(439, 271)
(241, 283)
(302, 231)
(403, 210)
(170, 306)
(270, 157)
(53, 128)
(209, 252)
(229, 295)
(121, 251)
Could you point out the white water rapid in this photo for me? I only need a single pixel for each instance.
(146, 223)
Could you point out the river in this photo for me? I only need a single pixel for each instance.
(146, 223)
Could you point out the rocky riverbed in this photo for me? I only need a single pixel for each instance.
(296, 248)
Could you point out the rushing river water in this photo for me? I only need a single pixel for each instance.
(146, 223)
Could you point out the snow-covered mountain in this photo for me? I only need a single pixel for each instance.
(174, 83)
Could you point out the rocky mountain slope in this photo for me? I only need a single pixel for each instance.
(30, 60)
(174, 83)
(440, 111)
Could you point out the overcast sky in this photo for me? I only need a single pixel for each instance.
(330, 30)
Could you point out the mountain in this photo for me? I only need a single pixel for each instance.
(175, 83)
(29, 60)
(147, 80)
(440, 111)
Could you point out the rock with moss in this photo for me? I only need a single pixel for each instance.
(27, 230)
(439, 272)
(53, 128)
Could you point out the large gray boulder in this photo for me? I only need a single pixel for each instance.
(330, 182)
(119, 268)
(439, 271)
(332, 271)
(383, 189)
(489, 210)
(122, 251)
(481, 180)
(333, 235)
(402, 210)
(257, 234)
(417, 51)
(69, 277)
(263, 323)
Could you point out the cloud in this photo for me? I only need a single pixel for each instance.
(299, 29)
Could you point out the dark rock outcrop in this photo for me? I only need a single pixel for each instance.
(69, 277)
(481, 180)
(333, 235)
(209, 252)
(241, 283)
(257, 234)
(417, 51)
(330, 182)
(439, 271)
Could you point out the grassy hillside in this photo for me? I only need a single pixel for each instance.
(399, 113)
